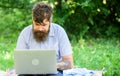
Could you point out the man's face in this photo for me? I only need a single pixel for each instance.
(41, 30)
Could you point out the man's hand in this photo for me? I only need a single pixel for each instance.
(63, 65)
(66, 63)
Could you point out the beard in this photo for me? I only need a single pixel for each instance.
(40, 36)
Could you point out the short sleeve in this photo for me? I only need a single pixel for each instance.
(64, 43)
(22, 42)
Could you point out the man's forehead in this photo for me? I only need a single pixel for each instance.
(45, 21)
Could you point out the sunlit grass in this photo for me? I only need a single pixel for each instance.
(6, 52)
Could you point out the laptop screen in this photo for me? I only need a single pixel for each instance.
(35, 61)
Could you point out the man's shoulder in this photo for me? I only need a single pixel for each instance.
(57, 30)
(27, 30)
(57, 27)
(28, 27)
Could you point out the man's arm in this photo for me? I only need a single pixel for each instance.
(66, 63)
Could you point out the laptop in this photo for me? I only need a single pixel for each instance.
(35, 61)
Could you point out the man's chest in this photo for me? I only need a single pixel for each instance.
(50, 43)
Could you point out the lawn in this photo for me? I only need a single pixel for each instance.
(93, 53)
(97, 54)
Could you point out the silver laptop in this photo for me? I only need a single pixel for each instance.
(35, 61)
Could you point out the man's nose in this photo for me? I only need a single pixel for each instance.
(40, 28)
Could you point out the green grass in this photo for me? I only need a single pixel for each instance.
(94, 54)
(7, 45)
(98, 54)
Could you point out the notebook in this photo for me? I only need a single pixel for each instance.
(35, 61)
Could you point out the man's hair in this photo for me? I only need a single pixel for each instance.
(41, 11)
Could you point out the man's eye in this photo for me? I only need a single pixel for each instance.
(37, 24)
(44, 24)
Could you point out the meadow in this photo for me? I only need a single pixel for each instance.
(97, 19)
(92, 53)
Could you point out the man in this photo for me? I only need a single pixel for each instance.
(43, 34)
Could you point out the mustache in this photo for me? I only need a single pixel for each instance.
(40, 36)
(40, 32)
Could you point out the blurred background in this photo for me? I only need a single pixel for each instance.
(93, 27)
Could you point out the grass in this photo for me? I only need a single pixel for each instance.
(94, 54)
(7, 45)
(98, 54)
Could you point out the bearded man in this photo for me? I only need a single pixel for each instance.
(43, 34)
